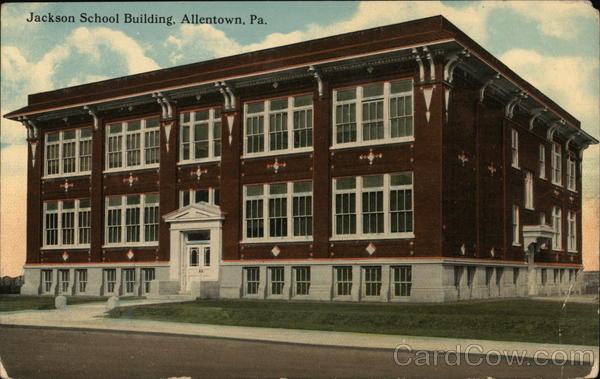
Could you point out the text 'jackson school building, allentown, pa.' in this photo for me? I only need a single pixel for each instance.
(402, 163)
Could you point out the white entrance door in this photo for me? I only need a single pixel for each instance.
(196, 258)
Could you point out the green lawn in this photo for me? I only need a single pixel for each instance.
(507, 320)
(20, 303)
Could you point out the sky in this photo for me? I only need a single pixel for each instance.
(554, 45)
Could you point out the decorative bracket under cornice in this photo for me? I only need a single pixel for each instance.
(420, 63)
(32, 136)
(94, 115)
(536, 113)
(509, 111)
(228, 96)
(165, 104)
(571, 138)
(319, 79)
(552, 129)
(486, 84)
(431, 65)
(452, 63)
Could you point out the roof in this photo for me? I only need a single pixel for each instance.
(431, 30)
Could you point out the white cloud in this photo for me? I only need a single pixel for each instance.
(554, 18)
(196, 42)
(568, 80)
(89, 41)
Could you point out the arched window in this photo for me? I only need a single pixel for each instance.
(194, 257)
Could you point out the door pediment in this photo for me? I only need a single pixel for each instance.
(195, 212)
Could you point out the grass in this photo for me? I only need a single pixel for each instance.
(19, 303)
(506, 320)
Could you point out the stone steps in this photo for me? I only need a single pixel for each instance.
(180, 297)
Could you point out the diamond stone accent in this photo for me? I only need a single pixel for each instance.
(371, 248)
(275, 250)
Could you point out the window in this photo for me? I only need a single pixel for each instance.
(402, 280)
(132, 219)
(205, 195)
(571, 231)
(194, 259)
(557, 226)
(514, 145)
(110, 279)
(555, 276)
(207, 256)
(528, 190)
(343, 280)
(68, 152)
(251, 280)
(373, 205)
(276, 278)
(562, 275)
(372, 277)
(515, 226)
(46, 281)
(200, 135)
(544, 276)
(542, 162)
(458, 273)
(67, 223)
(81, 280)
(287, 206)
(381, 112)
(129, 280)
(571, 173)
(148, 275)
(302, 280)
(279, 125)
(133, 144)
(63, 281)
(556, 164)
(515, 275)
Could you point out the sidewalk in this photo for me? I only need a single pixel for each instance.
(91, 316)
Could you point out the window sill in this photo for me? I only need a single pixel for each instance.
(354, 237)
(515, 167)
(65, 247)
(199, 161)
(129, 245)
(532, 209)
(371, 143)
(572, 190)
(558, 184)
(517, 244)
(65, 176)
(249, 241)
(276, 153)
(131, 169)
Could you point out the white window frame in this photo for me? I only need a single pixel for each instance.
(276, 277)
(572, 231)
(81, 280)
(556, 164)
(143, 205)
(387, 123)
(529, 190)
(542, 161)
(557, 226)
(129, 281)
(110, 280)
(301, 279)
(401, 281)
(378, 284)
(142, 131)
(387, 214)
(63, 281)
(516, 226)
(571, 173)
(266, 116)
(46, 281)
(78, 211)
(289, 195)
(214, 118)
(345, 282)
(213, 194)
(255, 282)
(514, 148)
(78, 141)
